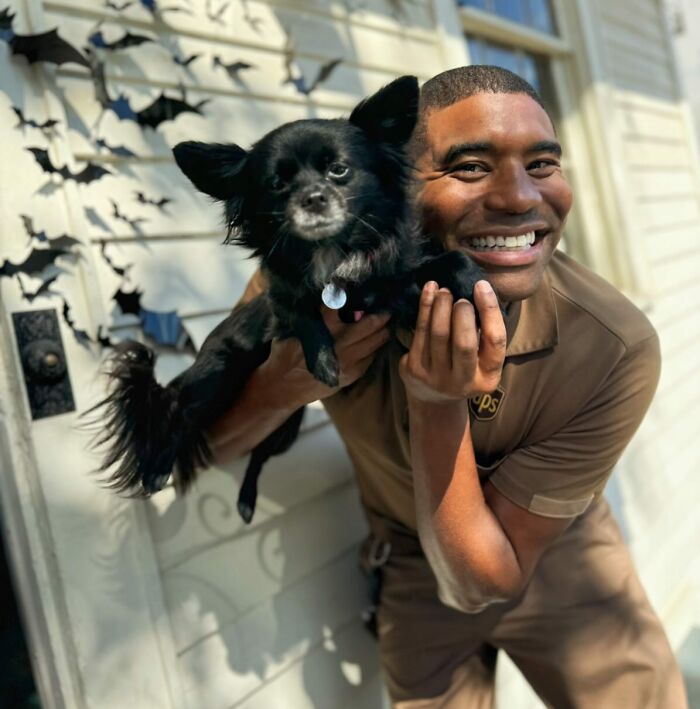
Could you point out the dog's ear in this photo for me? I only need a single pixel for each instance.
(390, 115)
(213, 168)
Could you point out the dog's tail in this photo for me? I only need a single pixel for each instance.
(139, 421)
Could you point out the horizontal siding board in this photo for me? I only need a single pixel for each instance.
(360, 46)
(626, 61)
(626, 39)
(642, 10)
(648, 184)
(316, 465)
(186, 276)
(235, 575)
(277, 634)
(664, 245)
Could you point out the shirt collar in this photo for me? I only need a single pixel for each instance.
(531, 324)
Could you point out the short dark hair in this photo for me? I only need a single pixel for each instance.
(453, 85)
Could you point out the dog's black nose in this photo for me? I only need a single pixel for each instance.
(315, 202)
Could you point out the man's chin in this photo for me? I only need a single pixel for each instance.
(513, 287)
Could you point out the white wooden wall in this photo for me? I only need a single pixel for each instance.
(655, 163)
(175, 602)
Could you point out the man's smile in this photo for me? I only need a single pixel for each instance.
(505, 247)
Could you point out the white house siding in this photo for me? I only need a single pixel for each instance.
(657, 167)
(266, 615)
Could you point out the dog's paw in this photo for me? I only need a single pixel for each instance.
(326, 368)
(246, 511)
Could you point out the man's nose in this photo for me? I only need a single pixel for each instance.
(513, 191)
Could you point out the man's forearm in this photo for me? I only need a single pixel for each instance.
(466, 546)
(256, 413)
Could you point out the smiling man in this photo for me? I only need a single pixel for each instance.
(481, 455)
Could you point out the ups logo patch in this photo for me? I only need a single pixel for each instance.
(484, 407)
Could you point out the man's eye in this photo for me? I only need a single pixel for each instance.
(543, 166)
(338, 169)
(469, 167)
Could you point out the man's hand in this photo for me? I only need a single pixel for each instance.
(291, 383)
(449, 359)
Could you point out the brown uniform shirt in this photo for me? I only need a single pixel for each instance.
(582, 364)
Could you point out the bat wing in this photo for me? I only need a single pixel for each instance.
(47, 47)
(165, 108)
(64, 242)
(324, 73)
(129, 303)
(89, 173)
(42, 157)
(36, 262)
(130, 40)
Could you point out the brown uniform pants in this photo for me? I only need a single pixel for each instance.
(583, 633)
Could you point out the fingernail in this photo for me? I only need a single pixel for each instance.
(430, 286)
(484, 287)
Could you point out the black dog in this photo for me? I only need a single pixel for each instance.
(323, 204)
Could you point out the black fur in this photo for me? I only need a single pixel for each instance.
(318, 202)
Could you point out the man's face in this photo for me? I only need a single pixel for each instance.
(491, 172)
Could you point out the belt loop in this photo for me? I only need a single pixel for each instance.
(379, 552)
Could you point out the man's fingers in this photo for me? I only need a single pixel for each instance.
(419, 355)
(492, 346)
(465, 340)
(440, 331)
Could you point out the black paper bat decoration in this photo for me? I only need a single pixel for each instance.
(46, 127)
(58, 242)
(89, 173)
(120, 105)
(218, 15)
(119, 270)
(300, 82)
(135, 224)
(44, 47)
(119, 150)
(43, 289)
(233, 69)
(82, 338)
(129, 303)
(160, 203)
(34, 264)
(166, 108)
(118, 8)
(129, 39)
(185, 61)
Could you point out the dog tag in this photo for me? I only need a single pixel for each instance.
(334, 297)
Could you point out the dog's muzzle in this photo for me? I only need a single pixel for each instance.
(317, 212)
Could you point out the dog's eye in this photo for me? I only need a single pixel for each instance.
(338, 170)
(276, 183)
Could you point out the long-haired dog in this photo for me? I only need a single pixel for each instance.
(324, 206)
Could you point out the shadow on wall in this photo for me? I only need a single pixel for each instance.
(272, 609)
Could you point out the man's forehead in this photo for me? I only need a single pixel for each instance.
(507, 119)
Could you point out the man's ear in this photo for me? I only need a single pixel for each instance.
(390, 115)
(213, 168)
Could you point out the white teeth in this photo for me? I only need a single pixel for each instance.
(486, 243)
